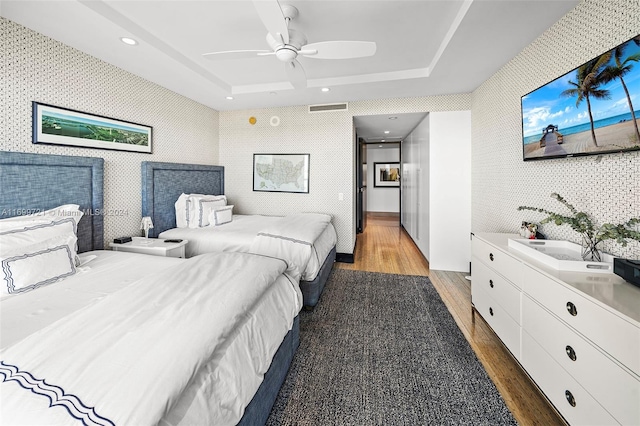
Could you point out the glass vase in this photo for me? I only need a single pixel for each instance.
(590, 251)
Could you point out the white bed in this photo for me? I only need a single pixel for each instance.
(239, 235)
(164, 188)
(128, 338)
(113, 319)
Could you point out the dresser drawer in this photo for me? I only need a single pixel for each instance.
(616, 389)
(504, 264)
(576, 405)
(618, 337)
(500, 290)
(496, 316)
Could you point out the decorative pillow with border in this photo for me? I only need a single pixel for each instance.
(221, 215)
(31, 266)
(200, 206)
(182, 216)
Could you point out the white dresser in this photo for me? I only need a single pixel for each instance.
(576, 334)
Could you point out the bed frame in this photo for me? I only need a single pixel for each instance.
(37, 182)
(33, 183)
(162, 184)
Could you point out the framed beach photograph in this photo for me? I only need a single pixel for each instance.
(281, 172)
(60, 126)
(386, 175)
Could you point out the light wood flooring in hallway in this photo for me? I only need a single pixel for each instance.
(385, 247)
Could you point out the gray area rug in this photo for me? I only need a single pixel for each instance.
(382, 349)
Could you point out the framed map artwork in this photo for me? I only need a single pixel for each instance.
(281, 172)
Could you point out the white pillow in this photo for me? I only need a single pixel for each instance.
(200, 206)
(61, 212)
(31, 266)
(181, 211)
(221, 215)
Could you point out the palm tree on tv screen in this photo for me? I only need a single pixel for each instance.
(589, 79)
(619, 69)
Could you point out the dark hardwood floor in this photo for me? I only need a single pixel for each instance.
(385, 246)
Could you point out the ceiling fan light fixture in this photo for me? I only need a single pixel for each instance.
(286, 54)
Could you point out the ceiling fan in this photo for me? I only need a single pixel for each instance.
(286, 43)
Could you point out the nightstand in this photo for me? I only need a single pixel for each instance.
(152, 246)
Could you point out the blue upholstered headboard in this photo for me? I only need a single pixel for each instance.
(38, 182)
(162, 184)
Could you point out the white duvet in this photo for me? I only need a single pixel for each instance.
(240, 234)
(153, 351)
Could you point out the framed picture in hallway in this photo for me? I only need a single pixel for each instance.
(386, 175)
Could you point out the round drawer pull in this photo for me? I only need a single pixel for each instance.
(570, 399)
(491, 257)
(491, 311)
(571, 308)
(491, 283)
(571, 353)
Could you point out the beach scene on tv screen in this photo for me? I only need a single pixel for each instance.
(592, 109)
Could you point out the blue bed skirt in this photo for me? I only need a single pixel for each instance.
(311, 290)
(257, 412)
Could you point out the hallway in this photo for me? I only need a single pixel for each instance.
(386, 247)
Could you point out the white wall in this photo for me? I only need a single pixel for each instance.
(380, 199)
(437, 189)
(328, 137)
(605, 187)
(37, 68)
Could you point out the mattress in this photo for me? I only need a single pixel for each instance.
(229, 380)
(238, 235)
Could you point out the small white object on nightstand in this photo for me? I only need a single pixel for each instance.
(152, 246)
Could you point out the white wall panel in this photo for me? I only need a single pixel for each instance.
(450, 191)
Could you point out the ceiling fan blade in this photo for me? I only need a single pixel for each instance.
(340, 49)
(273, 19)
(235, 54)
(296, 74)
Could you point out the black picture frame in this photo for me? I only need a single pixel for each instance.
(386, 175)
(53, 125)
(281, 173)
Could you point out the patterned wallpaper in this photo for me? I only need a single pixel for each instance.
(607, 187)
(37, 68)
(327, 137)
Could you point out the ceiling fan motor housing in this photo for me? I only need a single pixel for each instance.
(287, 52)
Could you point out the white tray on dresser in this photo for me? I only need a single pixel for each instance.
(561, 255)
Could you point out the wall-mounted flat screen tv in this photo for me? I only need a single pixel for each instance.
(593, 109)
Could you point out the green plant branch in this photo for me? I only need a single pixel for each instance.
(582, 223)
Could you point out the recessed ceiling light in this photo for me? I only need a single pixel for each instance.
(129, 41)
(229, 98)
(393, 118)
(379, 146)
(383, 140)
(386, 132)
(325, 89)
